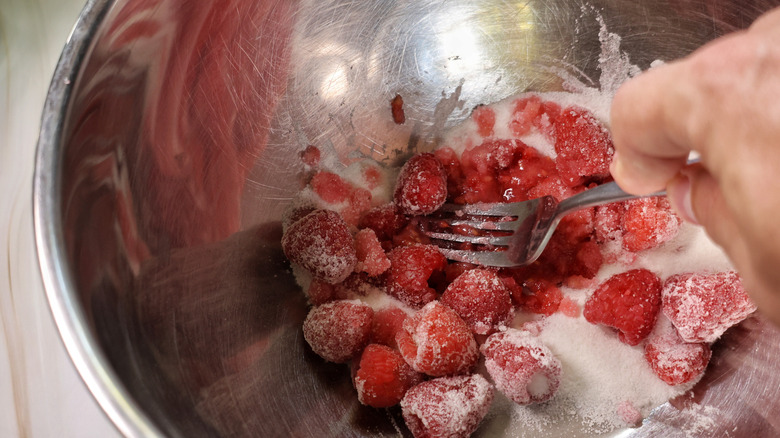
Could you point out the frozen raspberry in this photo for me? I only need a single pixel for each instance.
(629, 413)
(648, 222)
(608, 221)
(337, 331)
(372, 177)
(410, 268)
(481, 299)
(478, 187)
(449, 407)
(584, 146)
(486, 120)
(527, 172)
(523, 368)
(385, 220)
(330, 187)
(628, 302)
(538, 296)
(437, 342)
(357, 284)
(673, 360)
(422, 185)
(387, 323)
(397, 109)
(451, 162)
(371, 258)
(311, 156)
(703, 306)
(322, 244)
(490, 156)
(411, 234)
(525, 113)
(358, 203)
(382, 377)
(320, 292)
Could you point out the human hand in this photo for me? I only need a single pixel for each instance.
(723, 101)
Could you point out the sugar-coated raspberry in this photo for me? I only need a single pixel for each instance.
(525, 114)
(410, 268)
(449, 407)
(382, 377)
(320, 292)
(523, 368)
(629, 302)
(648, 222)
(584, 146)
(422, 185)
(491, 155)
(311, 156)
(321, 243)
(481, 299)
(338, 330)
(386, 324)
(330, 187)
(528, 171)
(608, 221)
(358, 203)
(538, 296)
(703, 306)
(437, 342)
(629, 413)
(486, 120)
(385, 220)
(371, 258)
(673, 360)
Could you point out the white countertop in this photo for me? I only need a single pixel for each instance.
(41, 395)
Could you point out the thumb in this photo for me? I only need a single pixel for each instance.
(696, 196)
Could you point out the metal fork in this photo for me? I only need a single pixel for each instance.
(531, 224)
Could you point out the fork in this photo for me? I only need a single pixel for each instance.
(518, 232)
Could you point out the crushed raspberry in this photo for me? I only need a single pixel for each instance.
(490, 156)
(371, 258)
(311, 156)
(523, 368)
(527, 172)
(387, 323)
(421, 186)
(397, 109)
(411, 234)
(569, 307)
(385, 220)
(486, 120)
(337, 331)
(628, 302)
(629, 413)
(481, 299)
(451, 162)
(358, 203)
(320, 292)
(382, 377)
(702, 306)
(330, 187)
(410, 268)
(673, 360)
(608, 221)
(584, 146)
(478, 187)
(372, 177)
(648, 222)
(437, 342)
(538, 296)
(447, 407)
(525, 113)
(322, 244)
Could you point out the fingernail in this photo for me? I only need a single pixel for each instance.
(680, 197)
(615, 165)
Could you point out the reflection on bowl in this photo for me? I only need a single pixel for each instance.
(166, 161)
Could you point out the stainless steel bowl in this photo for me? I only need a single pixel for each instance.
(168, 154)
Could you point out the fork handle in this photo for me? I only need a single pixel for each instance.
(603, 194)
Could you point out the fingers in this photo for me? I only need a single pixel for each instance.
(646, 116)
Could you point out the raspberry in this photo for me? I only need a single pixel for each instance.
(337, 331)
(382, 377)
(437, 342)
(673, 360)
(528, 171)
(523, 368)
(525, 113)
(490, 156)
(358, 202)
(584, 146)
(648, 222)
(385, 220)
(608, 221)
(449, 407)
(311, 156)
(410, 268)
(386, 324)
(320, 292)
(322, 244)
(485, 118)
(481, 299)
(538, 296)
(330, 187)
(703, 306)
(422, 185)
(371, 258)
(628, 302)
(397, 109)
